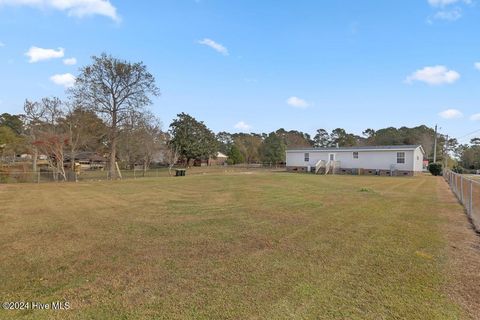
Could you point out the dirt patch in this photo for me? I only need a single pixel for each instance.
(463, 253)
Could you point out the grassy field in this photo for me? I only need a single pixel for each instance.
(473, 176)
(227, 246)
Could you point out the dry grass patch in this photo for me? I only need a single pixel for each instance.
(235, 246)
(464, 253)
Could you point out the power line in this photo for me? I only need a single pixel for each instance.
(468, 134)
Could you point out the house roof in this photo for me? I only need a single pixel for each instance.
(88, 155)
(362, 148)
(221, 155)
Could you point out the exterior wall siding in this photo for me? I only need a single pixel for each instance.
(418, 160)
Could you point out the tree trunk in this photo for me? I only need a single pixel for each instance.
(61, 170)
(34, 159)
(146, 164)
(72, 159)
(113, 145)
(113, 155)
(61, 163)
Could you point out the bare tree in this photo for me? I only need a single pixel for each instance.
(171, 157)
(129, 146)
(46, 134)
(140, 139)
(150, 138)
(84, 130)
(114, 88)
(52, 139)
(54, 145)
(33, 115)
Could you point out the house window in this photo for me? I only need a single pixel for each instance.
(307, 157)
(400, 157)
(355, 155)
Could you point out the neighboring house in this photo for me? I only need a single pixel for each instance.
(382, 160)
(159, 157)
(87, 161)
(219, 160)
(29, 157)
(425, 165)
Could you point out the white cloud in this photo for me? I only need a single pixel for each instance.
(38, 54)
(477, 65)
(77, 8)
(67, 79)
(443, 3)
(242, 126)
(297, 102)
(2, 44)
(214, 45)
(450, 15)
(435, 75)
(475, 117)
(451, 114)
(70, 61)
(445, 10)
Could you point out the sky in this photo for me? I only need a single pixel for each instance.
(256, 66)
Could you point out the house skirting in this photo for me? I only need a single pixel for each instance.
(297, 169)
(358, 171)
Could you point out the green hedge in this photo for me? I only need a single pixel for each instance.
(435, 168)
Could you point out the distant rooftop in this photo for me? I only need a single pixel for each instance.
(398, 147)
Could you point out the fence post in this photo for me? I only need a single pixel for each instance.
(38, 177)
(471, 199)
(456, 185)
(461, 190)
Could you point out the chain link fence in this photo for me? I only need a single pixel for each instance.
(43, 176)
(16, 176)
(467, 191)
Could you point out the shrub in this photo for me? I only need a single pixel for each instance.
(235, 156)
(458, 169)
(435, 168)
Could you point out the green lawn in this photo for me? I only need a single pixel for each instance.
(227, 246)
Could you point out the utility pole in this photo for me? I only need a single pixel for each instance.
(435, 146)
(445, 153)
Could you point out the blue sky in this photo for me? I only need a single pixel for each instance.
(261, 65)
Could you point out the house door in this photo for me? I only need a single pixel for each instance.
(331, 156)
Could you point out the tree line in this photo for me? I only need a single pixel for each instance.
(107, 112)
(243, 147)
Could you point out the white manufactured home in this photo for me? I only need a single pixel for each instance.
(374, 160)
